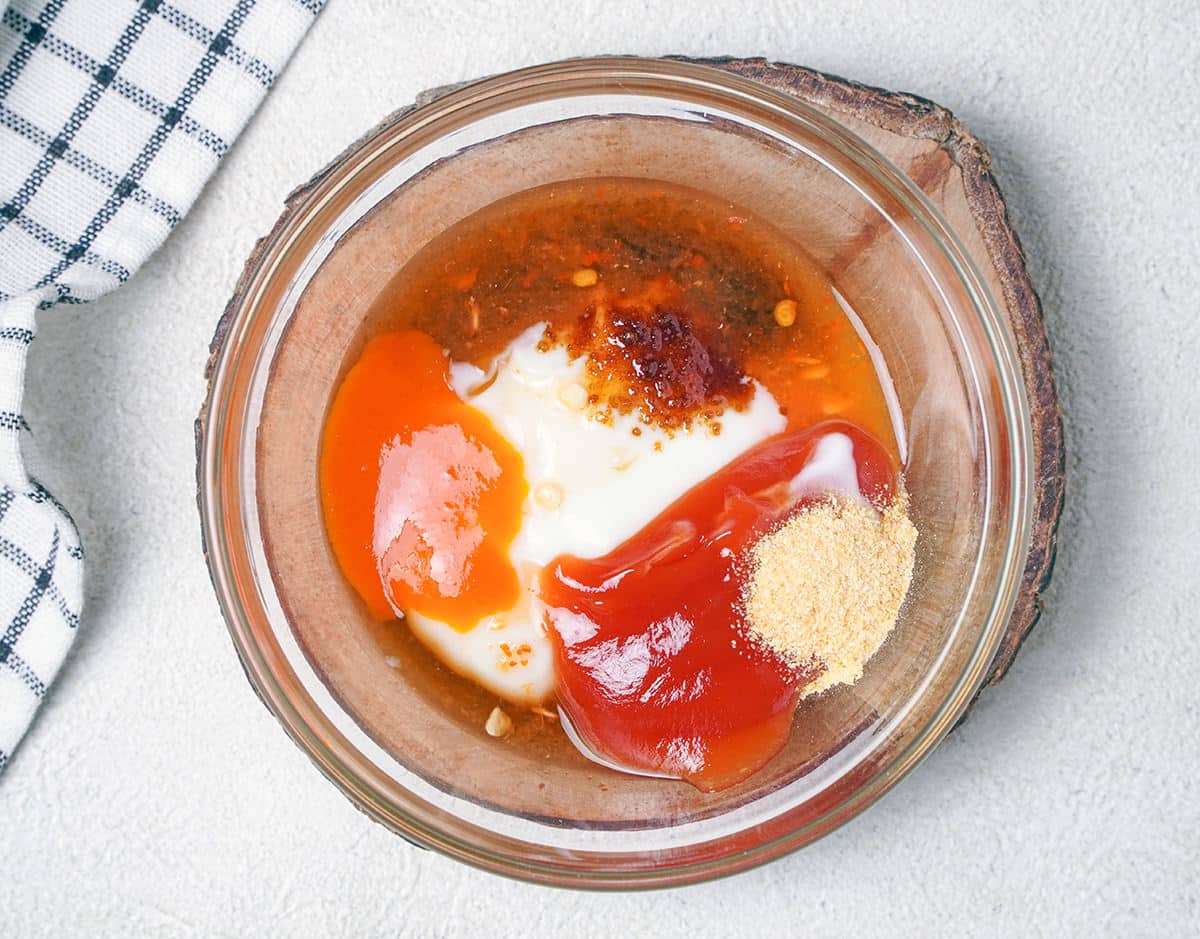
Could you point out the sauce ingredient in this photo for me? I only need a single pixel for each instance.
(544, 378)
(588, 486)
(498, 724)
(654, 668)
(422, 497)
(594, 483)
(646, 355)
(514, 264)
(825, 588)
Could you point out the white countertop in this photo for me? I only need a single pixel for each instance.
(156, 796)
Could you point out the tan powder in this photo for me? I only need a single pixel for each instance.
(826, 587)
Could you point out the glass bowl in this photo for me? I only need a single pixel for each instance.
(419, 762)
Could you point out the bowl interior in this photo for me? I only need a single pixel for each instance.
(409, 742)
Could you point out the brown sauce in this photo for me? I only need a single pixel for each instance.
(653, 247)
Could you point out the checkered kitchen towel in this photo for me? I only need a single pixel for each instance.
(113, 113)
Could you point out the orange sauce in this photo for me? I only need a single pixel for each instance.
(400, 442)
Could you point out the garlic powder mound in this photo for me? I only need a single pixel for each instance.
(826, 587)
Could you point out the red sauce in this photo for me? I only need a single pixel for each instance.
(653, 668)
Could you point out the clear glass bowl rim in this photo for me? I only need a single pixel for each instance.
(219, 413)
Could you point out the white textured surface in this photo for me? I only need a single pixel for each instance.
(155, 796)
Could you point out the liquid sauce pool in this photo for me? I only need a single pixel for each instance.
(491, 276)
(680, 306)
(397, 425)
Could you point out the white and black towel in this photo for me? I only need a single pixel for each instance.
(113, 113)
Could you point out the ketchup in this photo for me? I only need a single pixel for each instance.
(654, 668)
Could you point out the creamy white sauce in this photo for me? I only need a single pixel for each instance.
(612, 482)
(881, 370)
(830, 471)
(592, 486)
